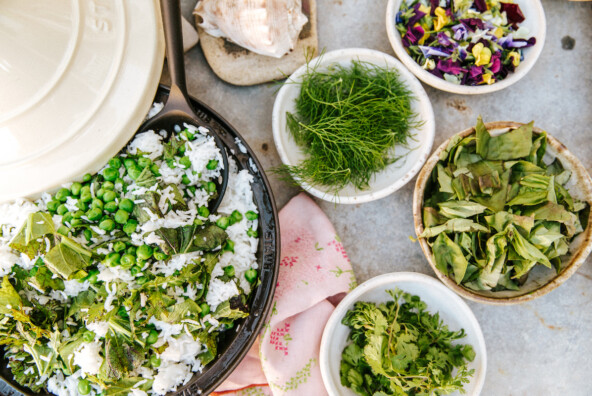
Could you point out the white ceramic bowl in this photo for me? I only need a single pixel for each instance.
(394, 176)
(534, 21)
(452, 309)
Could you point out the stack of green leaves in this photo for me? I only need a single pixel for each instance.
(399, 348)
(348, 121)
(493, 209)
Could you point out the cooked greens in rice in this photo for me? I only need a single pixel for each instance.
(121, 283)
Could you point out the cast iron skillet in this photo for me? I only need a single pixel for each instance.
(235, 344)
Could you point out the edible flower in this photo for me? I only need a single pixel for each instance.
(413, 35)
(498, 32)
(451, 67)
(482, 54)
(444, 39)
(515, 57)
(480, 5)
(419, 12)
(513, 13)
(460, 32)
(432, 51)
(488, 79)
(496, 62)
(442, 20)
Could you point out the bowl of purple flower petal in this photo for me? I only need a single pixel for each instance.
(467, 46)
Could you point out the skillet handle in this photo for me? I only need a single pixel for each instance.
(171, 17)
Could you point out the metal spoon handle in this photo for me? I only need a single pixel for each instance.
(171, 16)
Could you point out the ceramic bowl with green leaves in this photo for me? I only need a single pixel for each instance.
(502, 212)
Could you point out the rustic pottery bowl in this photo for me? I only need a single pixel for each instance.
(540, 280)
(534, 21)
(452, 310)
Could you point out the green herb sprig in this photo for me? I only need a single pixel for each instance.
(399, 348)
(348, 121)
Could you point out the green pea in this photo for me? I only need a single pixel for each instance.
(110, 174)
(251, 275)
(152, 337)
(62, 209)
(107, 225)
(205, 309)
(211, 187)
(192, 189)
(85, 189)
(189, 135)
(127, 205)
(119, 182)
(76, 222)
(75, 188)
(121, 216)
(131, 250)
(171, 163)
(111, 207)
(235, 217)
(154, 361)
(144, 252)
(112, 259)
(96, 203)
(229, 247)
(87, 234)
(63, 230)
(62, 194)
(135, 270)
(155, 169)
(119, 246)
(115, 162)
(212, 164)
(108, 185)
(250, 215)
(93, 278)
(82, 206)
(88, 336)
(185, 161)
(130, 226)
(85, 197)
(67, 218)
(78, 214)
(144, 162)
(101, 193)
(229, 326)
(83, 387)
(160, 256)
(185, 180)
(134, 172)
(94, 214)
(128, 261)
(198, 221)
(223, 222)
(182, 149)
(52, 206)
(142, 279)
(203, 211)
(252, 233)
(129, 163)
(109, 196)
(229, 271)
(86, 178)
(122, 312)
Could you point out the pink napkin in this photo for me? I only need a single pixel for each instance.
(315, 273)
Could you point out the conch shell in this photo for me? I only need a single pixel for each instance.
(266, 27)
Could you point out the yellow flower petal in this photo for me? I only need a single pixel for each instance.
(424, 9)
(442, 18)
(482, 54)
(499, 32)
(515, 56)
(488, 79)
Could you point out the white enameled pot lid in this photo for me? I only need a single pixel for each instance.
(77, 78)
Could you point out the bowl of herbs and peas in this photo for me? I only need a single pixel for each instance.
(502, 212)
(352, 126)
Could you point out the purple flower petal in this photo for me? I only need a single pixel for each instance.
(417, 15)
(480, 5)
(413, 35)
(496, 62)
(460, 32)
(449, 66)
(521, 43)
(462, 54)
(433, 51)
(513, 13)
(443, 39)
(435, 4)
(475, 72)
(473, 23)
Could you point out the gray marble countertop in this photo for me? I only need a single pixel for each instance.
(543, 347)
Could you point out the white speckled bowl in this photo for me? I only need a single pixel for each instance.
(534, 20)
(452, 309)
(394, 176)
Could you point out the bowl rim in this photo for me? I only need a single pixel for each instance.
(578, 258)
(367, 55)
(461, 308)
(439, 83)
